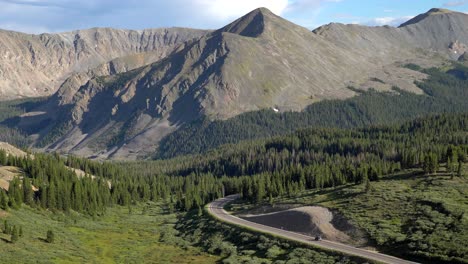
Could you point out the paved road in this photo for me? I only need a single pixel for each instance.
(216, 208)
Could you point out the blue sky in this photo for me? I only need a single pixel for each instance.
(37, 16)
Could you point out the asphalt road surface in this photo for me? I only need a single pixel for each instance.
(216, 208)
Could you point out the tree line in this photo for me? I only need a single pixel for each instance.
(259, 170)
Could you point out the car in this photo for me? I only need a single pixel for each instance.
(318, 238)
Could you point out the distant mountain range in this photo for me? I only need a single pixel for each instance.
(120, 92)
(36, 65)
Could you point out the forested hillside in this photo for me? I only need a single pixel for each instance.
(11, 109)
(408, 213)
(262, 171)
(445, 91)
(307, 159)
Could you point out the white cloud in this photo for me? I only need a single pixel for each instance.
(228, 9)
(455, 3)
(57, 15)
(25, 28)
(32, 15)
(390, 21)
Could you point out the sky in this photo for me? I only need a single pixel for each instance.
(38, 16)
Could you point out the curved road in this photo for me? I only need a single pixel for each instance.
(216, 209)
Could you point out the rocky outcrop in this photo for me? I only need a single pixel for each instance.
(458, 49)
(464, 57)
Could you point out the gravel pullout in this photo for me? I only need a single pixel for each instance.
(309, 220)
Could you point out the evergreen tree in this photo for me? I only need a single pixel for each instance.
(270, 199)
(27, 192)
(3, 200)
(3, 157)
(6, 227)
(460, 168)
(449, 165)
(14, 235)
(15, 193)
(50, 238)
(260, 192)
(51, 196)
(431, 163)
(368, 187)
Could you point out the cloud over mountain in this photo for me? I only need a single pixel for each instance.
(38, 16)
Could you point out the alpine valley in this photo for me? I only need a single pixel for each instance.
(259, 142)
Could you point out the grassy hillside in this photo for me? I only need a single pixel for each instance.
(146, 233)
(409, 213)
(118, 237)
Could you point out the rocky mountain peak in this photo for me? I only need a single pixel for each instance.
(434, 12)
(252, 24)
(438, 11)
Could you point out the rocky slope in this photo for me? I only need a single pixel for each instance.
(36, 65)
(258, 61)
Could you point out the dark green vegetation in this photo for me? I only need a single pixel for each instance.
(61, 189)
(11, 109)
(14, 232)
(59, 129)
(308, 159)
(445, 92)
(15, 108)
(50, 236)
(311, 159)
(408, 213)
(317, 158)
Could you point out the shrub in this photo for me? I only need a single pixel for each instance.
(50, 236)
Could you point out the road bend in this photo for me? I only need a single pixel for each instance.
(216, 209)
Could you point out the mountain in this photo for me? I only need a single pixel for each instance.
(36, 65)
(258, 61)
(439, 29)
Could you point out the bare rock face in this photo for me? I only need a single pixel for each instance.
(36, 65)
(464, 57)
(458, 49)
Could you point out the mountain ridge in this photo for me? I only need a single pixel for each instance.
(431, 12)
(257, 62)
(36, 65)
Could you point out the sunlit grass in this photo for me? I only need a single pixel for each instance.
(117, 237)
